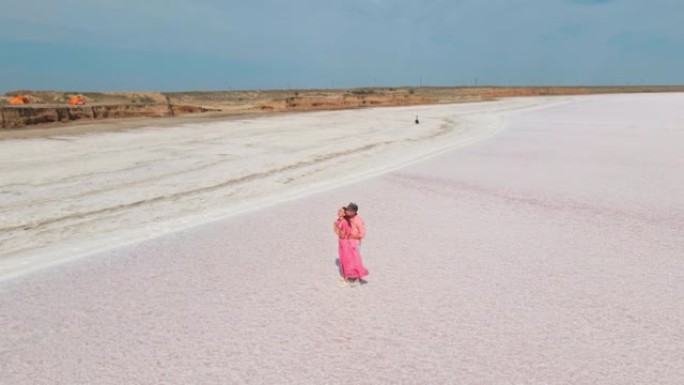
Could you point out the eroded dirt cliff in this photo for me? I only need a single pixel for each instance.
(12, 117)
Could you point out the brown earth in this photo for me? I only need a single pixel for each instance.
(21, 116)
(51, 107)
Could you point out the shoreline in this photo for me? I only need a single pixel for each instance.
(227, 105)
(83, 127)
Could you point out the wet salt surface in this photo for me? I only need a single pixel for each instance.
(549, 254)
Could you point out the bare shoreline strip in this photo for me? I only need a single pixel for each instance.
(225, 105)
(123, 124)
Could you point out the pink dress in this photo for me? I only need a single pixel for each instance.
(350, 259)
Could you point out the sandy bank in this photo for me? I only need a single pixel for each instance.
(16, 117)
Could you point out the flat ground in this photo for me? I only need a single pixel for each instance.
(549, 253)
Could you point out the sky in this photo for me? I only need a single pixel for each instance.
(185, 45)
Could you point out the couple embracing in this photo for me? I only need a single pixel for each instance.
(350, 230)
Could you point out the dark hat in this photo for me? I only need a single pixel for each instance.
(352, 207)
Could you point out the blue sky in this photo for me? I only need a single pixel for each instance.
(171, 45)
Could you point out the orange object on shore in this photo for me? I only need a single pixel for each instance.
(19, 100)
(77, 101)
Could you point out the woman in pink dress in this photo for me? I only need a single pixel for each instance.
(351, 266)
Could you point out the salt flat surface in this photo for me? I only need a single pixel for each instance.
(63, 197)
(550, 253)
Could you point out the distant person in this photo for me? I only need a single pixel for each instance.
(350, 230)
(417, 121)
